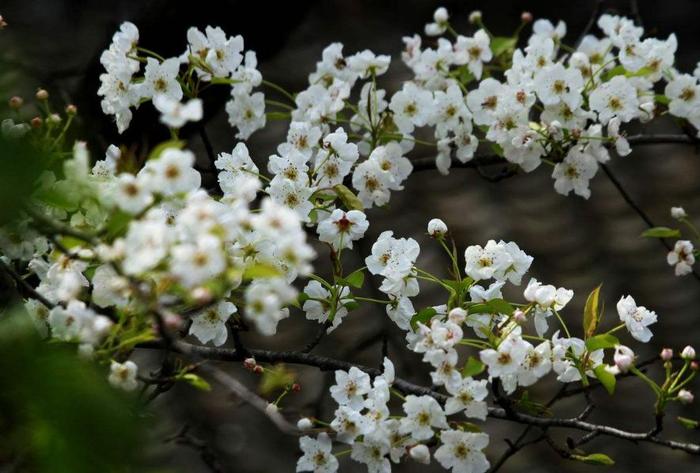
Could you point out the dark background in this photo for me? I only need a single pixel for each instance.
(576, 244)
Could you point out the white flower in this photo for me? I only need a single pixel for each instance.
(131, 194)
(555, 84)
(291, 165)
(372, 183)
(171, 173)
(392, 258)
(422, 414)
(678, 213)
(507, 359)
(210, 324)
(473, 52)
(682, 257)
(317, 455)
(575, 173)
(683, 93)
(440, 22)
(437, 228)
(108, 288)
(349, 423)
(636, 318)
(223, 53)
(420, 453)
(366, 64)
(546, 298)
(264, 301)
(617, 97)
(537, 363)
(292, 194)
(412, 106)
(544, 27)
(319, 305)
(468, 396)
(161, 79)
(175, 114)
(490, 261)
(341, 228)
(372, 451)
(622, 146)
(123, 375)
(302, 136)
(305, 423)
(195, 263)
(246, 112)
(462, 451)
(350, 387)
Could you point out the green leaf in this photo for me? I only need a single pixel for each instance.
(604, 340)
(422, 316)
(606, 378)
(275, 378)
(117, 224)
(277, 115)
(502, 44)
(261, 270)
(532, 407)
(662, 99)
(591, 313)
(689, 423)
(352, 305)
(662, 232)
(473, 367)
(356, 278)
(594, 459)
(158, 150)
(196, 381)
(494, 306)
(348, 197)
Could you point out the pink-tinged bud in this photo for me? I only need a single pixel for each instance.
(666, 354)
(519, 317)
(420, 453)
(296, 387)
(71, 109)
(305, 423)
(685, 396)
(54, 119)
(36, 122)
(3, 23)
(16, 102)
(250, 363)
(526, 17)
(173, 321)
(42, 94)
(258, 369)
(688, 353)
(695, 366)
(201, 294)
(457, 315)
(624, 358)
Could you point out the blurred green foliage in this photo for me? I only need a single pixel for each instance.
(58, 414)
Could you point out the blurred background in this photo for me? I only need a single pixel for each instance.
(576, 244)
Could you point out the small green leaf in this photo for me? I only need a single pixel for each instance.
(591, 314)
(662, 99)
(196, 381)
(662, 232)
(594, 459)
(277, 115)
(351, 305)
(260, 270)
(494, 306)
(158, 150)
(604, 340)
(275, 378)
(502, 44)
(606, 378)
(689, 423)
(422, 316)
(473, 367)
(356, 278)
(348, 197)
(117, 224)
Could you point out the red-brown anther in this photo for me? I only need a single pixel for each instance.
(343, 224)
(526, 17)
(36, 122)
(296, 387)
(16, 102)
(41, 94)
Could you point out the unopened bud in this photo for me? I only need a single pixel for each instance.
(437, 228)
(688, 353)
(42, 94)
(666, 354)
(16, 102)
(296, 387)
(441, 15)
(624, 358)
(250, 363)
(54, 119)
(271, 409)
(258, 369)
(201, 294)
(519, 317)
(3, 23)
(36, 122)
(420, 453)
(457, 315)
(678, 213)
(172, 321)
(305, 423)
(695, 366)
(526, 17)
(475, 17)
(71, 109)
(685, 396)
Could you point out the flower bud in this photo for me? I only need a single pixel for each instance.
(554, 128)
(42, 94)
(420, 453)
(271, 409)
(172, 321)
(685, 396)
(688, 353)
(201, 295)
(441, 15)
(305, 423)
(475, 17)
(694, 365)
(36, 122)
(624, 358)
(457, 315)
(249, 363)
(666, 354)
(54, 119)
(16, 102)
(648, 109)
(526, 17)
(71, 109)
(519, 317)
(258, 369)
(437, 228)
(3, 23)
(678, 213)
(296, 387)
